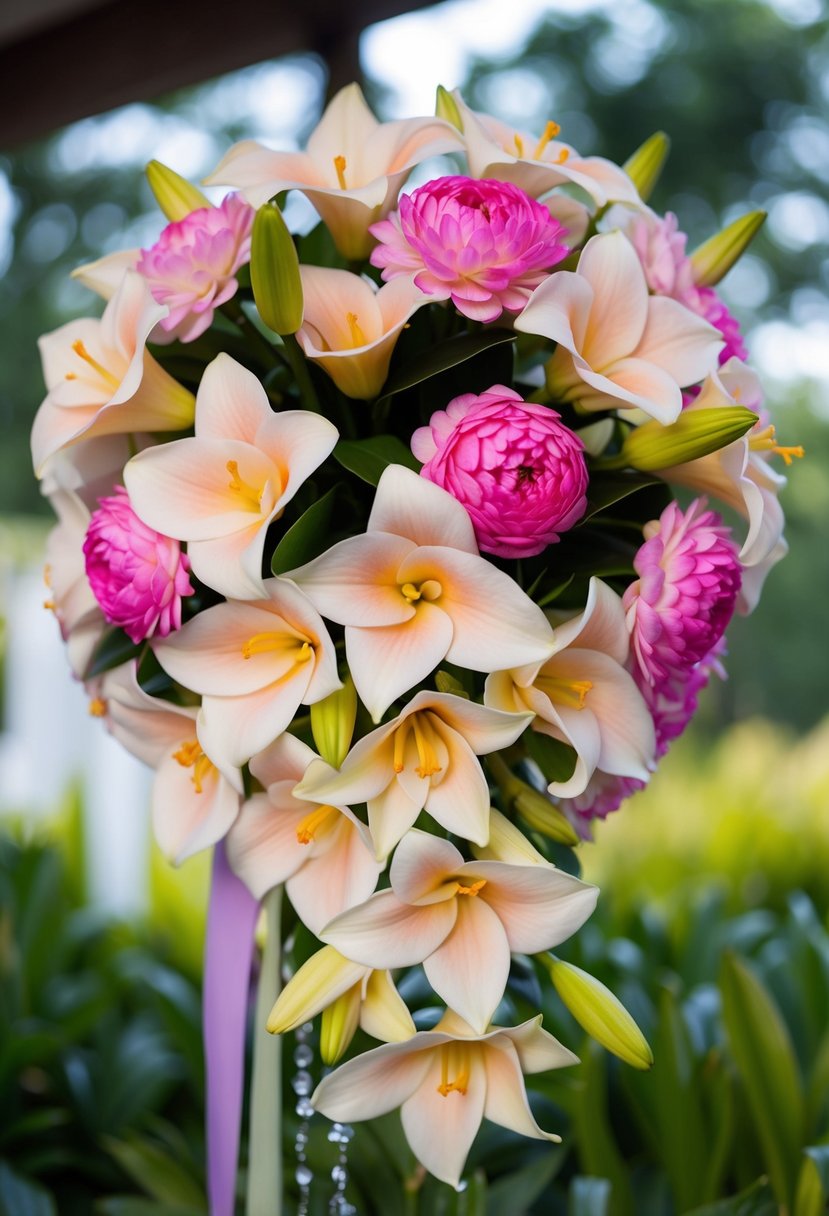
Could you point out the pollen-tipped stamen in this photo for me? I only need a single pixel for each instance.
(82, 353)
(551, 130)
(308, 827)
(426, 741)
(454, 1062)
(572, 693)
(340, 167)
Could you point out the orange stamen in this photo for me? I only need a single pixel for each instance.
(339, 166)
(550, 132)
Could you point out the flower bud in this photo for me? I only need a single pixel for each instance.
(326, 976)
(696, 433)
(599, 1012)
(274, 272)
(444, 682)
(174, 195)
(713, 259)
(507, 843)
(535, 808)
(332, 723)
(447, 108)
(645, 165)
(339, 1025)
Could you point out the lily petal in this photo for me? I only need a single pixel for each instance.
(469, 970)
(385, 933)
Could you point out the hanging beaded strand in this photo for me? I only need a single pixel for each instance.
(302, 1083)
(341, 1134)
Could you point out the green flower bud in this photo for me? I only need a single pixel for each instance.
(599, 1012)
(534, 808)
(339, 1024)
(447, 108)
(713, 259)
(645, 165)
(696, 433)
(444, 682)
(174, 195)
(274, 272)
(332, 723)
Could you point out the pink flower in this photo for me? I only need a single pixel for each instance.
(518, 471)
(679, 607)
(483, 244)
(137, 575)
(192, 265)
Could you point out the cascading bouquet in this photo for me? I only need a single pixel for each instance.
(367, 544)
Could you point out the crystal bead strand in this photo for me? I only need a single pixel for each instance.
(341, 1134)
(303, 1084)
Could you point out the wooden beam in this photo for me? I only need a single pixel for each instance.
(130, 50)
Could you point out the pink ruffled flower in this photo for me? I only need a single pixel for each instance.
(192, 266)
(679, 607)
(483, 244)
(137, 575)
(518, 471)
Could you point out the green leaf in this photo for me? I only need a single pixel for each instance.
(763, 1053)
(813, 1182)
(515, 1193)
(112, 650)
(472, 1199)
(607, 488)
(756, 1200)
(589, 1197)
(156, 1171)
(306, 538)
(556, 760)
(369, 458)
(127, 1205)
(682, 1129)
(598, 1151)
(444, 356)
(20, 1197)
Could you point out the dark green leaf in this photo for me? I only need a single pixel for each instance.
(813, 1182)
(682, 1130)
(607, 488)
(444, 356)
(112, 650)
(368, 458)
(126, 1205)
(156, 1171)
(756, 1200)
(556, 760)
(307, 538)
(515, 1193)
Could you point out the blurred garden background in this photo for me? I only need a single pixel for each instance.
(712, 926)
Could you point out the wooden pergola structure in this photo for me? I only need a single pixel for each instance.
(61, 60)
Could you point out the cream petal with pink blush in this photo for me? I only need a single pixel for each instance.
(350, 328)
(221, 490)
(413, 590)
(254, 663)
(449, 914)
(322, 853)
(446, 1081)
(351, 171)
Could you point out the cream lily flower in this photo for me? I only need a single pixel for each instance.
(461, 920)
(537, 164)
(740, 476)
(583, 696)
(618, 346)
(105, 275)
(102, 381)
(322, 853)
(446, 1081)
(423, 760)
(193, 804)
(221, 490)
(373, 1001)
(413, 590)
(352, 170)
(253, 663)
(351, 328)
(69, 594)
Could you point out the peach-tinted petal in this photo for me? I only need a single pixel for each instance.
(506, 1095)
(408, 505)
(538, 907)
(469, 970)
(262, 845)
(231, 402)
(440, 1127)
(678, 341)
(186, 819)
(390, 816)
(232, 564)
(627, 741)
(355, 581)
(538, 1051)
(376, 1082)
(386, 662)
(559, 309)
(339, 878)
(601, 626)
(235, 728)
(619, 311)
(419, 868)
(385, 933)
(637, 384)
(460, 800)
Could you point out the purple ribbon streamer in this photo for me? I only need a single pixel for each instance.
(228, 953)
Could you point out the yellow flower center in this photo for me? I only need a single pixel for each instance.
(82, 353)
(572, 693)
(251, 497)
(273, 642)
(308, 827)
(358, 338)
(454, 1069)
(766, 441)
(429, 589)
(426, 742)
(339, 168)
(473, 889)
(550, 132)
(97, 707)
(190, 755)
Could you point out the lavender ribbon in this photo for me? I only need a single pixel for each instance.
(228, 952)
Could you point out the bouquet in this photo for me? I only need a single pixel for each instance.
(368, 545)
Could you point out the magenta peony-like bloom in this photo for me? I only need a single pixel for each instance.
(679, 607)
(137, 575)
(483, 244)
(516, 468)
(192, 265)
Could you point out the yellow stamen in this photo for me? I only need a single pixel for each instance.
(426, 742)
(562, 156)
(474, 889)
(190, 755)
(97, 707)
(454, 1058)
(70, 376)
(47, 575)
(243, 488)
(81, 351)
(339, 165)
(308, 827)
(766, 441)
(272, 643)
(519, 144)
(50, 605)
(572, 693)
(410, 592)
(358, 338)
(550, 132)
(400, 737)
(429, 589)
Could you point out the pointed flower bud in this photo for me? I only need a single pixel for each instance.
(696, 433)
(599, 1012)
(507, 843)
(645, 165)
(535, 808)
(715, 257)
(332, 723)
(444, 682)
(173, 193)
(339, 1025)
(447, 108)
(322, 979)
(274, 272)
